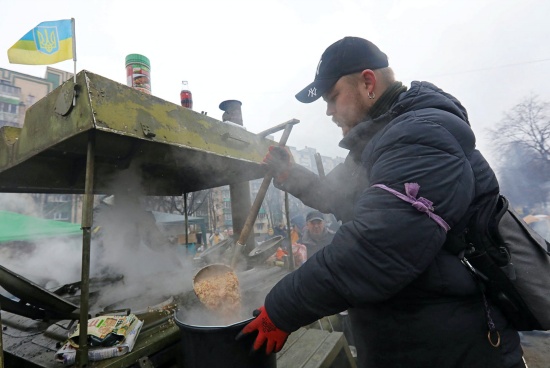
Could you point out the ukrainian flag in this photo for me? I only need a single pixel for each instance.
(47, 43)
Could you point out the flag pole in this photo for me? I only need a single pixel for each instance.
(74, 57)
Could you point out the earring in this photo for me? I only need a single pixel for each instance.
(371, 95)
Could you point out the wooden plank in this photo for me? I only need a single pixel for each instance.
(292, 339)
(333, 352)
(313, 348)
(301, 350)
(326, 352)
(347, 356)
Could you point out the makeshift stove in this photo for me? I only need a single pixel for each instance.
(73, 142)
(31, 340)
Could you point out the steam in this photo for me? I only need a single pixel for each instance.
(20, 203)
(130, 244)
(49, 262)
(126, 245)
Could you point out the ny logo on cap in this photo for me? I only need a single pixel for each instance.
(312, 92)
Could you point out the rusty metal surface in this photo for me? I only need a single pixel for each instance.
(33, 343)
(29, 343)
(168, 149)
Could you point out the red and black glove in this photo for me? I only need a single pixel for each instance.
(267, 332)
(279, 160)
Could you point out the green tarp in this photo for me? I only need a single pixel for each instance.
(18, 227)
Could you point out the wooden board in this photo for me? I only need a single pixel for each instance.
(312, 348)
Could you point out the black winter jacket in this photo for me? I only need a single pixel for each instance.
(314, 245)
(411, 303)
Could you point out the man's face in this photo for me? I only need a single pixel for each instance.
(315, 228)
(347, 103)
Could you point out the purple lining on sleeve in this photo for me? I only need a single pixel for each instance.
(422, 204)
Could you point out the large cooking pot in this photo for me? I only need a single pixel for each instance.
(215, 346)
(264, 250)
(216, 253)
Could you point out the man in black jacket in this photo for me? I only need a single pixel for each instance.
(412, 179)
(316, 235)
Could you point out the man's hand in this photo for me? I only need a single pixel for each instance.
(279, 160)
(267, 332)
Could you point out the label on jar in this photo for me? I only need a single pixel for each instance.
(138, 76)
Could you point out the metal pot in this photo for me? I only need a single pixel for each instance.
(215, 346)
(216, 253)
(264, 250)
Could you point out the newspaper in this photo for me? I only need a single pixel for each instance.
(67, 354)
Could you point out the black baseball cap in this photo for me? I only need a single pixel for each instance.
(346, 56)
(315, 215)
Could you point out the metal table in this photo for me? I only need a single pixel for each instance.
(82, 135)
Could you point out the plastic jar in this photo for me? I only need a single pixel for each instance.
(138, 73)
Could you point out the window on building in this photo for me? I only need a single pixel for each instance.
(59, 198)
(61, 216)
(30, 99)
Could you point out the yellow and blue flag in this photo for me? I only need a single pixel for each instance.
(47, 43)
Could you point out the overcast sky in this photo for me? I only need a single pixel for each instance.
(489, 54)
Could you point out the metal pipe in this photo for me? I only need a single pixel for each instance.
(248, 225)
(291, 264)
(232, 111)
(87, 221)
(240, 205)
(277, 128)
(238, 192)
(186, 221)
(319, 163)
(1, 341)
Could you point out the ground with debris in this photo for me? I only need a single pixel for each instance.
(536, 348)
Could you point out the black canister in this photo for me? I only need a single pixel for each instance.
(215, 346)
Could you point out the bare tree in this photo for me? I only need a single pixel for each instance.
(173, 204)
(523, 179)
(527, 125)
(212, 214)
(522, 141)
(273, 206)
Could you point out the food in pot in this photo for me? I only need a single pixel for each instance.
(220, 293)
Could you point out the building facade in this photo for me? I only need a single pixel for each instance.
(18, 92)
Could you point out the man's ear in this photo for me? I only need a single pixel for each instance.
(368, 80)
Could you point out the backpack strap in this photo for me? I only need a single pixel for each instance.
(460, 244)
(422, 204)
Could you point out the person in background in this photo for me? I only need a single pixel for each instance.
(316, 234)
(280, 230)
(410, 183)
(297, 223)
(215, 238)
